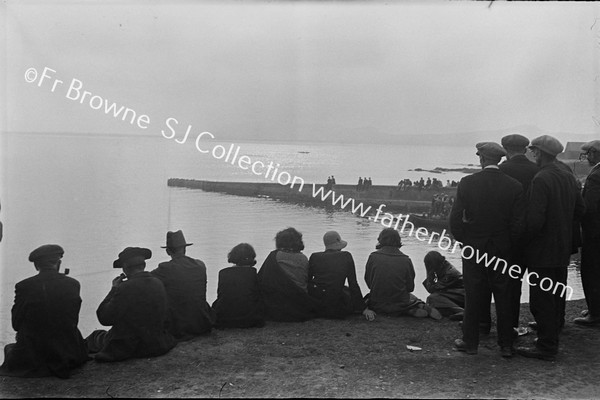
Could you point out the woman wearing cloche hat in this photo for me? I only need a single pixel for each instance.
(328, 271)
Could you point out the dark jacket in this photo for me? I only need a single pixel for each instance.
(327, 274)
(283, 299)
(448, 278)
(45, 316)
(576, 239)
(488, 212)
(137, 312)
(390, 276)
(184, 279)
(554, 203)
(520, 168)
(239, 303)
(590, 223)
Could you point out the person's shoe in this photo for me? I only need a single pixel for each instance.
(533, 325)
(456, 317)
(507, 351)
(420, 313)
(534, 352)
(460, 345)
(433, 313)
(588, 320)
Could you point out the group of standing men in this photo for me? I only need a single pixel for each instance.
(148, 312)
(364, 184)
(527, 214)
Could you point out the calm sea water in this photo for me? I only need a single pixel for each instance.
(95, 195)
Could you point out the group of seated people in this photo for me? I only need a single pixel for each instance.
(149, 312)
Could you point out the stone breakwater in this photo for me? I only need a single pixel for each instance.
(339, 196)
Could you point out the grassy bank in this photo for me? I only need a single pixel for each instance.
(350, 358)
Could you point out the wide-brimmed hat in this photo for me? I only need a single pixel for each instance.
(547, 144)
(132, 256)
(175, 240)
(333, 241)
(47, 251)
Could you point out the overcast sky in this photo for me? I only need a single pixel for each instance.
(292, 69)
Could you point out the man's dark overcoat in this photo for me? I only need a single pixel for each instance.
(554, 203)
(487, 216)
(590, 250)
(520, 168)
(45, 316)
(184, 279)
(137, 312)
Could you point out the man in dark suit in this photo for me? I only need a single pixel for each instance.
(517, 166)
(487, 219)
(554, 202)
(184, 279)
(45, 317)
(590, 249)
(136, 308)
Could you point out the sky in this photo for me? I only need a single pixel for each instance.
(301, 70)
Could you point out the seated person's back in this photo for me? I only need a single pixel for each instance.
(136, 308)
(184, 279)
(45, 316)
(283, 280)
(328, 272)
(239, 303)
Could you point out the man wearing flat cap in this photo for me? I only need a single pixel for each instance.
(517, 166)
(590, 249)
(184, 279)
(45, 316)
(136, 308)
(554, 203)
(488, 217)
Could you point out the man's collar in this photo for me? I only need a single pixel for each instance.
(492, 166)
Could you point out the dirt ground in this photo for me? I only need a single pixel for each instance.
(350, 358)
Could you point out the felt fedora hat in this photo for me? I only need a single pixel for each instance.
(131, 256)
(175, 240)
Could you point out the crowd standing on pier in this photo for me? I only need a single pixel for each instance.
(523, 212)
(422, 184)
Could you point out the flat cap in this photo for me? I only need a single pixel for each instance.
(490, 150)
(514, 140)
(594, 144)
(132, 256)
(46, 251)
(547, 144)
